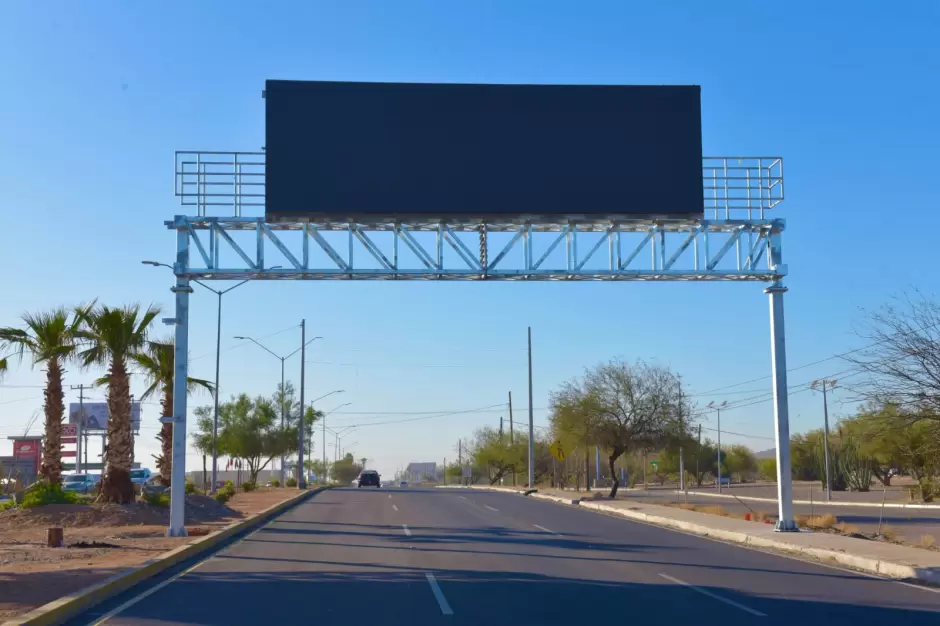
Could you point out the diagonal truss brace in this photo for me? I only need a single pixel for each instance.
(444, 251)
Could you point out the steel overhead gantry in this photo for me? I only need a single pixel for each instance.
(736, 240)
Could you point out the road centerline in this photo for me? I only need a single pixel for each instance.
(547, 530)
(438, 594)
(405, 528)
(714, 596)
(487, 506)
(394, 507)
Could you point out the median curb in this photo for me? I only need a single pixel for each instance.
(67, 607)
(542, 496)
(872, 565)
(867, 505)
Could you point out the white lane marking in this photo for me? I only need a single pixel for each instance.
(407, 532)
(546, 530)
(438, 594)
(394, 507)
(463, 497)
(705, 592)
(487, 506)
(389, 496)
(120, 609)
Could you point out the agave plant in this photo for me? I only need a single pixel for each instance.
(50, 339)
(156, 363)
(111, 337)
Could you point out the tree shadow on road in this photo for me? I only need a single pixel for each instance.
(373, 593)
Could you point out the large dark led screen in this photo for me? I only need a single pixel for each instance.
(337, 150)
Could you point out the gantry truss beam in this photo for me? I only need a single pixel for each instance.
(247, 247)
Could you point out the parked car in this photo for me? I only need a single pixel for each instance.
(140, 476)
(369, 478)
(403, 483)
(81, 483)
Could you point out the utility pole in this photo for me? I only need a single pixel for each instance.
(510, 436)
(81, 430)
(698, 452)
(301, 474)
(824, 385)
(681, 451)
(531, 422)
(500, 429)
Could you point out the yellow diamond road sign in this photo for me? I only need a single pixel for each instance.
(557, 450)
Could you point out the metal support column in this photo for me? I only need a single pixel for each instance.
(182, 290)
(215, 409)
(283, 423)
(785, 523)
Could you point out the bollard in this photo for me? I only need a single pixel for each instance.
(54, 537)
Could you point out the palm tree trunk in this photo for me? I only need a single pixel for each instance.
(165, 460)
(51, 468)
(116, 485)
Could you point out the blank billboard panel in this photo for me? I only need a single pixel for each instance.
(337, 151)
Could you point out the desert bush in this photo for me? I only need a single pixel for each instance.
(43, 493)
(249, 486)
(190, 488)
(927, 541)
(154, 498)
(275, 483)
(291, 482)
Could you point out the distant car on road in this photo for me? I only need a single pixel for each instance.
(403, 483)
(369, 478)
(81, 483)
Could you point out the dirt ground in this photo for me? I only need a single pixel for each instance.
(99, 542)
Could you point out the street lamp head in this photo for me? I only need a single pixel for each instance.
(240, 337)
(154, 263)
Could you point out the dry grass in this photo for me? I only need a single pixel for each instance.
(927, 541)
(889, 533)
(687, 507)
(849, 529)
(713, 510)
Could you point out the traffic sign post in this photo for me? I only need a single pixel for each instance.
(557, 450)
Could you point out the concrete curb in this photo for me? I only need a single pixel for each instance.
(867, 564)
(542, 496)
(867, 505)
(67, 607)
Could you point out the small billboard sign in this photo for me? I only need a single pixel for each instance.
(96, 415)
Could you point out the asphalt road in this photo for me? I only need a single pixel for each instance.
(425, 557)
(909, 523)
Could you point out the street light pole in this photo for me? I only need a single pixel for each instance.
(282, 359)
(218, 352)
(718, 408)
(301, 476)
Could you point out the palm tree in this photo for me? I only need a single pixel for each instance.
(111, 337)
(156, 363)
(50, 337)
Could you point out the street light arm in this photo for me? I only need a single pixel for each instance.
(279, 358)
(302, 347)
(325, 395)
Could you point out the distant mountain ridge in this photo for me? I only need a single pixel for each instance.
(767, 454)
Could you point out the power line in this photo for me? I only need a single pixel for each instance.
(425, 417)
(241, 343)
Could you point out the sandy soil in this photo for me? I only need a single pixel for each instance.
(99, 542)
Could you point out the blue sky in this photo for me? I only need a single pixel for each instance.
(98, 97)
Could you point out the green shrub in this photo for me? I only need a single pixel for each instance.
(190, 487)
(9, 504)
(291, 482)
(43, 493)
(249, 486)
(225, 493)
(275, 483)
(157, 499)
